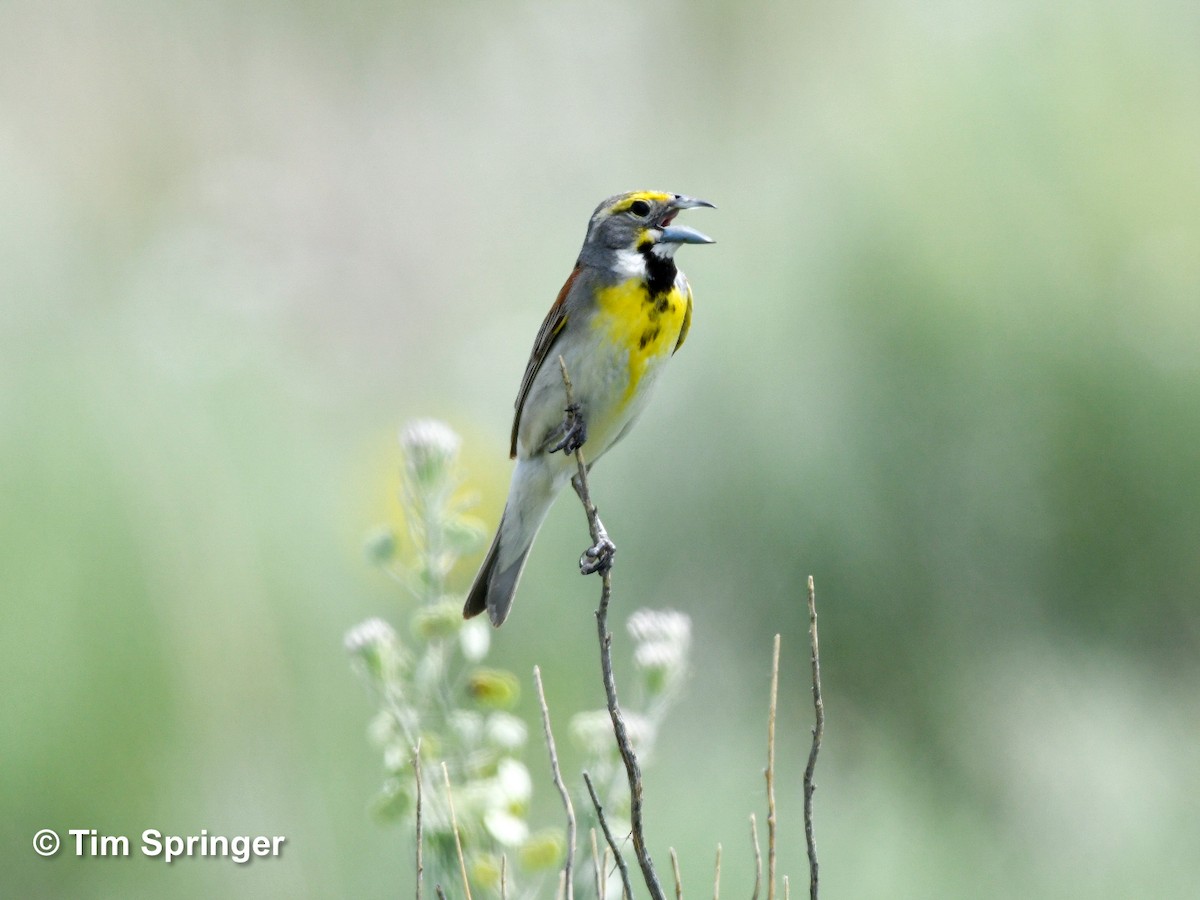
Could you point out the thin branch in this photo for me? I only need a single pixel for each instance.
(632, 769)
(757, 857)
(437, 889)
(628, 757)
(817, 733)
(717, 876)
(787, 891)
(608, 836)
(604, 870)
(675, 870)
(503, 876)
(417, 770)
(771, 774)
(462, 863)
(558, 783)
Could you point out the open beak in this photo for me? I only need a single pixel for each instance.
(682, 234)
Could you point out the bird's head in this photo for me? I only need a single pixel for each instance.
(641, 222)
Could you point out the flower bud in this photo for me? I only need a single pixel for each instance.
(465, 534)
(543, 850)
(485, 871)
(393, 802)
(380, 545)
(494, 688)
(438, 620)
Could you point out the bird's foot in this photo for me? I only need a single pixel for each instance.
(574, 431)
(599, 556)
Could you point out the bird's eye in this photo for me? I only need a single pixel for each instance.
(639, 207)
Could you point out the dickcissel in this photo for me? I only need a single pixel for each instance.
(622, 313)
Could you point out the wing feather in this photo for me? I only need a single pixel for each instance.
(687, 320)
(551, 328)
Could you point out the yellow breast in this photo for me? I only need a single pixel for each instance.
(645, 326)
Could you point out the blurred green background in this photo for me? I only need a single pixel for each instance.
(945, 357)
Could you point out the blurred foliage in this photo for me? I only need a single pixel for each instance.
(944, 357)
(438, 700)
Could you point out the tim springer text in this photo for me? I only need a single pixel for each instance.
(239, 848)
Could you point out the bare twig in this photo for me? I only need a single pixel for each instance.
(558, 783)
(675, 870)
(757, 857)
(787, 891)
(462, 863)
(717, 876)
(628, 757)
(771, 773)
(817, 733)
(608, 836)
(503, 876)
(437, 889)
(604, 870)
(417, 770)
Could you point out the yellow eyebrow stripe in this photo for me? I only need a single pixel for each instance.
(647, 196)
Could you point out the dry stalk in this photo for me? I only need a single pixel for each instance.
(558, 783)
(757, 857)
(417, 771)
(608, 836)
(817, 733)
(596, 864)
(771, 774)
(462, 863)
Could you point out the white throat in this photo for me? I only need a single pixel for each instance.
(631, 264)
(664, 250)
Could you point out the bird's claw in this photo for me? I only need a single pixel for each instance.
(574, 431)
(598, 557)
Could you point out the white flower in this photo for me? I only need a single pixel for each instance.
(378, 649)
(475, 637)
(592, 731)
(639, 729)
(396, 756)
(506, 828)
(512, 778)
(667, 626)
(430, 448)
(505, 731)
(370, 636)
(663, 639)
(467, 725)
(659, 655)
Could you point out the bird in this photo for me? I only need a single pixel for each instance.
(624, 310)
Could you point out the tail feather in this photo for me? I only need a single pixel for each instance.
(494, 588)
(534, 486)
(477, 596)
